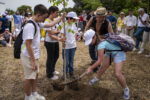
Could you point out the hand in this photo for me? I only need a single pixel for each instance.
(62, 39)
(89, 70)
(63, 44)
(63, 15)
(34, 65)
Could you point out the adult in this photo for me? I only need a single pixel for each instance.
(120, 27)
(84, 15)
(130, 23)
(142, 19)
(112, 19)
(101, 26)
(146, 37)
(17, 20)
(10, 18)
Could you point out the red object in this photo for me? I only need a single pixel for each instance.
(80, 18)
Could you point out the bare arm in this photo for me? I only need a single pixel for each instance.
(99, 61)
(31, 54)
(55, 21)
(110, 30)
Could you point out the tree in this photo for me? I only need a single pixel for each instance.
(10, 11)
(22, 9)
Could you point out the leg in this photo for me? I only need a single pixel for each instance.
(71, 60)
(92, 52)
(138, 36)
(119, 75)
(56, 54)
(50, 59)
(28, 86)
(145, 38)
(131, 32)
(104, 67)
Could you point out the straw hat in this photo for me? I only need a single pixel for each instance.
(101, 11)
(122, 13)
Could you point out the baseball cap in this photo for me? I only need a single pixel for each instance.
(72, 15)
(88, 35)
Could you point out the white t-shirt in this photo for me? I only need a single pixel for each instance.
(71, 30)
(130, 20)
(28, 33)
(47, 37)
(9, 17)
(144, 19)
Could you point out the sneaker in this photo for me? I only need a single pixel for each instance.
(39, 97)
(134, 49)
(148, 56)
(126, 95)
(140, 52)
(30, 98)
(56, 73)
(94, 80)
(54, 77)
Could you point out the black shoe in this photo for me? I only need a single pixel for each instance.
(72, 76)
(96, 69)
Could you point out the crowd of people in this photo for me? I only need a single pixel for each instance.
(92, 28)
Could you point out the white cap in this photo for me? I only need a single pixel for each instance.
(7, 29)
(72, 15)
(88, 35)
(79, 29)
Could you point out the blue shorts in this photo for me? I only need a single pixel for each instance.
(117, 57)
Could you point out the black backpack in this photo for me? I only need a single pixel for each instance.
(19, 40)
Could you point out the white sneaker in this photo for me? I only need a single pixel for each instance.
(148, 56)
(30, 98)
(56, 73)
(54, 77)
(134, 49)
(94, 80)
(39, 97)
(126, 95)
(140, 52)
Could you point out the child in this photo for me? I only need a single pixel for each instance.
(78, 34)
(118, 57)
(30, 51)
(70, 44)
(5, 38)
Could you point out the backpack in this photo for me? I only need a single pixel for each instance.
(19, 40)
(125, 42)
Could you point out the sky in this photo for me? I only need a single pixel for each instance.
(14, 4)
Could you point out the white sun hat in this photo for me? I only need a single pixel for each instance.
(88, 35)
(72, 15)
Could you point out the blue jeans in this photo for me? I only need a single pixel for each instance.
(138, 35)
(69, 54)
(92, 52)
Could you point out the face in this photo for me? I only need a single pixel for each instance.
(141, 12)
(41, 18)
(55, 14)
(71, 20)
(122, 15)
(130, 13)
(6, 31)
(100, 19)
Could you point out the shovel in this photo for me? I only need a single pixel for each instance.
(72, 84)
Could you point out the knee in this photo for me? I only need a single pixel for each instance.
(117, 74)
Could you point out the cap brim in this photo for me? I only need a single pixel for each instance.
(75, 17)
(88, 42)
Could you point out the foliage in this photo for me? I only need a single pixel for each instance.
(58, 2)
(22, 9)
(10, 11)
